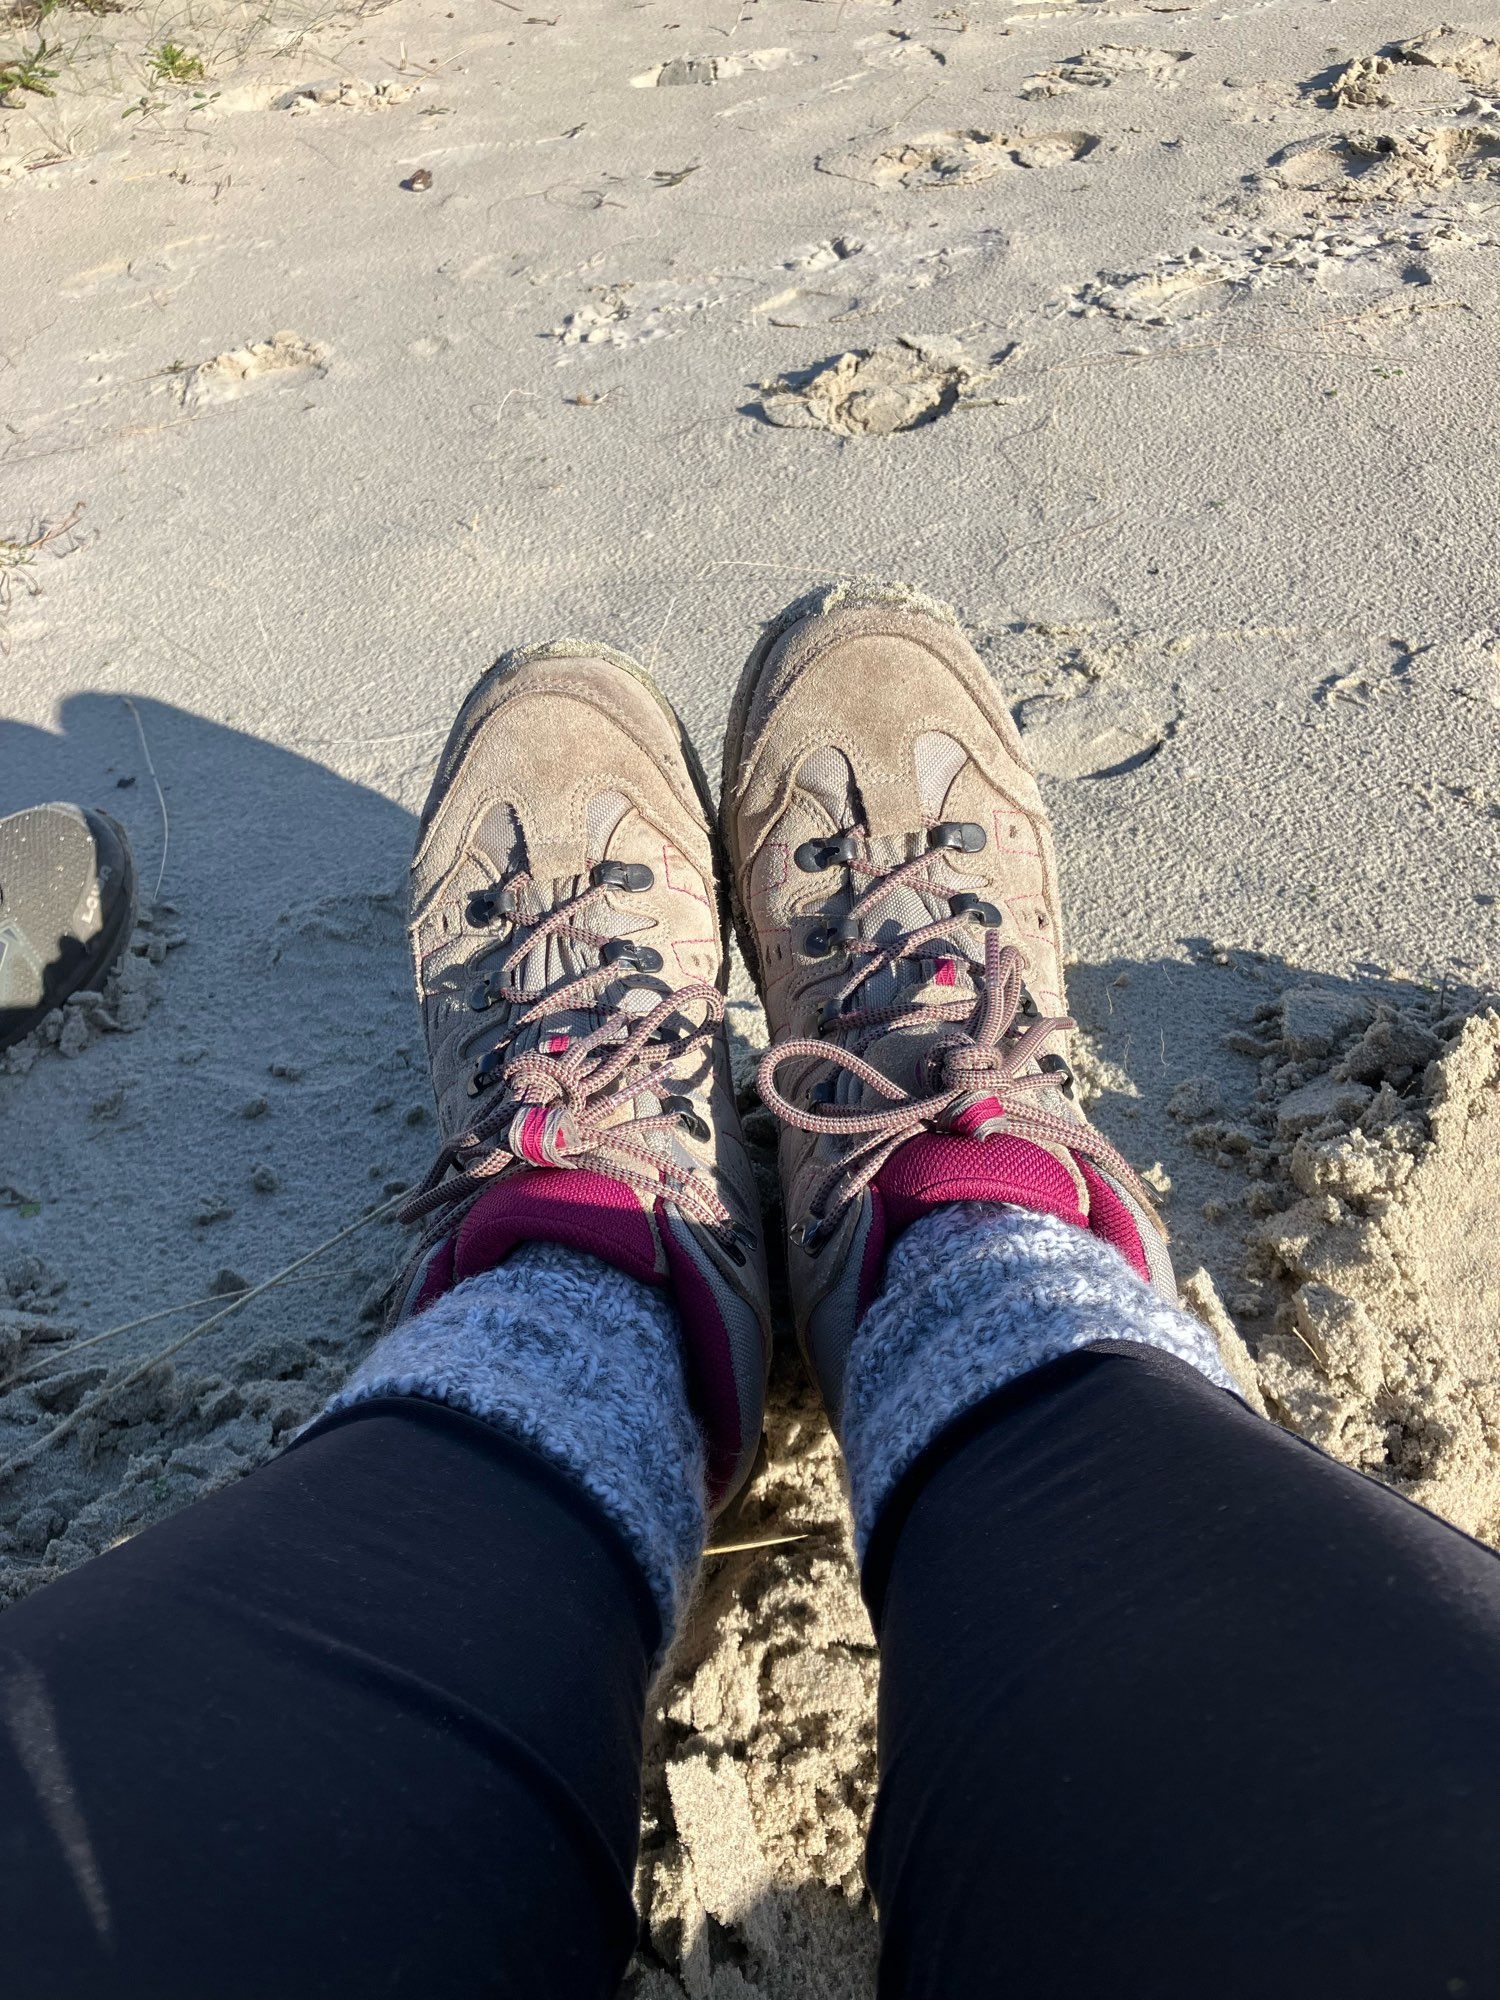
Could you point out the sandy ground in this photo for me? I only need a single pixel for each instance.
(1160, 338)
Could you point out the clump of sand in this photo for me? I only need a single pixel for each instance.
(30, 1298)
(874, 392)
(147, 1440)
(1376, 1138)
(1449, 57)
(119, 1006)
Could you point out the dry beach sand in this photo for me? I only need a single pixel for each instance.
(1160, 336)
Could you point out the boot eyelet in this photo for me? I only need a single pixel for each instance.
(486, 1070)
(813, 856)
(624, 951)
(734, 1250)
(817, 943)
(683, 1110)
(976, 907)
(633, 876)
(485, 907)
(481, 999)
(813, 1233)
(1056, 1065)
(830, 1014)
(963, 836)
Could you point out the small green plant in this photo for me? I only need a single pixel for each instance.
(169, 63)
(17, 556)
(29, 71)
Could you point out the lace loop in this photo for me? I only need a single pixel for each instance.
(982, 1078)
(572, 1100)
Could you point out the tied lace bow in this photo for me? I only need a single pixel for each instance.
(976, 1083)
(571, 1101)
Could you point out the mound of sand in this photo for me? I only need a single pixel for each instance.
(1388, 1261)
(1375, 1141)
(761, 1764)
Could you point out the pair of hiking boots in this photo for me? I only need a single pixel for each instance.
(891, 872)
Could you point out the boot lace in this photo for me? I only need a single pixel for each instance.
(573, 1100)
(985, 1076)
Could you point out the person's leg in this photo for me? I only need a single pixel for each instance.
(1171, 1704)
(370, 1721)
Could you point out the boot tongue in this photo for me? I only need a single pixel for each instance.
(825, 776)
(944, 971)
(559, 959)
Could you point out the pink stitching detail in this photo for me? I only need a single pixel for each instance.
(681, 887)
(680, 945)
(1030, 853)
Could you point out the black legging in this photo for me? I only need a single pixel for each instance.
(1170, 1705)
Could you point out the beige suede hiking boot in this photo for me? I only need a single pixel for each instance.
(896, 895)
(568, 941)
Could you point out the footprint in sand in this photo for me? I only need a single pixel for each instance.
(1174, 288)
(1097, 69)
(1104, 733)
(1345, 259)
(874, 392)
(851, 279)
(161, 271)
(1386, 166)
(230, 374)
(347, 94)
(627, 315)
(961, 158)
(1475, 59)
(1428, 72)
(898, 48)
(713, 69)
(1029, 11)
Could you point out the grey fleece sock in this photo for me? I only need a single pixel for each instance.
(974, 1296)
(584, 1365)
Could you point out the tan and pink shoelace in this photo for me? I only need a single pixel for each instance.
(980, 1079)
(570, 1100)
